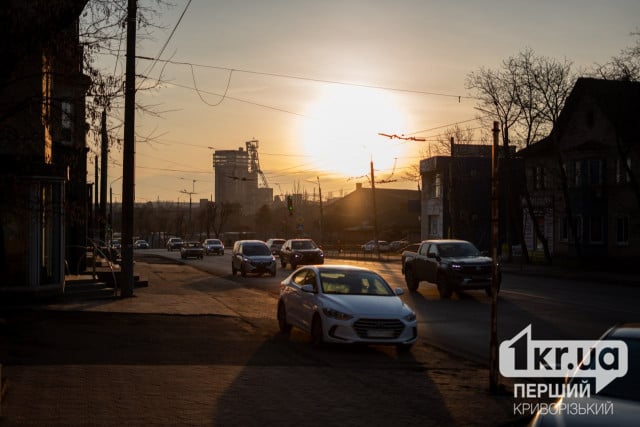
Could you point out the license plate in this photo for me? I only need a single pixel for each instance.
(378, 333)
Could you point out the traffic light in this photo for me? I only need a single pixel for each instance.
(290, 204)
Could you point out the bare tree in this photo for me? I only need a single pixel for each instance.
(625, 66)
(496, 93)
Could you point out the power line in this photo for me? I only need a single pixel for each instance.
(309, 79)
(166, 43)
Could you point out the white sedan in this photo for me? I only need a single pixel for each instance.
(345, 304)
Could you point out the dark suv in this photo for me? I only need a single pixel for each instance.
(252, 256)
(300, 252)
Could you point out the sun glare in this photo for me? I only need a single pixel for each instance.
(341, 133)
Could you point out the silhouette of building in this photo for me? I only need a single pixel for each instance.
(596, 140)
(237, 178)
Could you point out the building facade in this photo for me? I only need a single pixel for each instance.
(43, 208)
(583, 178)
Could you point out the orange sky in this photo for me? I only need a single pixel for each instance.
(315, 82)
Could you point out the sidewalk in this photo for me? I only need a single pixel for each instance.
(192, 349)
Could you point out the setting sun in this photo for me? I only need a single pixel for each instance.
(341, 133)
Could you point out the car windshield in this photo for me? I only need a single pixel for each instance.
(303, 244)
(352, 282)
(212, 242)
(256, 250)
(457, 249)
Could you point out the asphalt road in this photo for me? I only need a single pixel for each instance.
(556, 308)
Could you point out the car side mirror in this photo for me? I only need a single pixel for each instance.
(399, 291)
(307, 288)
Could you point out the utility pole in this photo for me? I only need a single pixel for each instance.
(103, 176)
(375, 211)
(128, 160)
(493, 344)
(96, 203)
(452, 214)
(321, 214)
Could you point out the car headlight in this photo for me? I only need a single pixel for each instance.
(456, 267)
(410, 317)
(329, 312)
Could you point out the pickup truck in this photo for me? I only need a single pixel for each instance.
(453, 265)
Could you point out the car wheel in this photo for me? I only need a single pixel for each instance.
(243, 271)
(272, 273)
(233, 270)
(412, 282)
(317, 338)
(283, 263)
(285, 327)
(443, 287)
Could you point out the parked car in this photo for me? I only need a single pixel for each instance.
(275, 245)
(370, 246)
(622, 394)
(191, 250)
(174, 243)
(396, 245)
(345, 304)
(300, 252)
(252, 256)
(213, 246)
(453, 265)
(141, 244)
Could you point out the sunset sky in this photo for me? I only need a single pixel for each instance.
(316, 81)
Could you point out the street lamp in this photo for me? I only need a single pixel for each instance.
(193, 191)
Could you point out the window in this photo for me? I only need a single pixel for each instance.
(433, 250)
(538, 178)
(622, 230)
(595, 172)
(66, 122)
(595, 229)
(565, 230)
(573, 170)
(622, 174)
(435, 189)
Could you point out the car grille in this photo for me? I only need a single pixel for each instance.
(477, 270)
(378, 328)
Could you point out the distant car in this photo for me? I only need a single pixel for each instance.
(622, 394)
(115, 244)
(213, 246)
(275, 245)
(252, 256)
(396, 245)
(300, 252)
(141, 244)
(191, 250)
(174, 243)
(345, 304)
(370, 246)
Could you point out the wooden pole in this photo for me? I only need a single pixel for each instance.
(493, 344)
